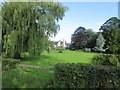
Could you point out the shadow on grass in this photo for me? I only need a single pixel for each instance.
(35, 58)
(20, 78)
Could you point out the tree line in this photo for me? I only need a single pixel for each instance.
(107, 39)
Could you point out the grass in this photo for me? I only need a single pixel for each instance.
(50, 59)
(26, 78)
(36, 78)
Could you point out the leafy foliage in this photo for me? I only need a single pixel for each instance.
(106, 59)
(83, 38)
(85, 76)
(92, 36)
(110, 31)
(0, 32)
(113, 21)
(100, 41)
(8, 64)
(24, 55)
(79, 38)
(27, 26)
(113, 40)
(87, 49)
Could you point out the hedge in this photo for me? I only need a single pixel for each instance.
(106, 59)
(85, 76)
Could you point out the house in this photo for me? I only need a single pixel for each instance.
(60, 43)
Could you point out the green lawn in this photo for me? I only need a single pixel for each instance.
(37, 78)
(26, 78)
(50, 59)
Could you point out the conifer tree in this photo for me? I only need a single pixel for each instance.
(100, 41)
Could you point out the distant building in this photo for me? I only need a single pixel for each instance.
(61, 43)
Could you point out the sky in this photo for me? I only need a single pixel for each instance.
(90, 15)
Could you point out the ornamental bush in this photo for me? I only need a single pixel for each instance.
(85, 76)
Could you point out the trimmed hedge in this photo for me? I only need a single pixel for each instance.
(85, 76)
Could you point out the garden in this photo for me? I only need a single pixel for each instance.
(25, 77)
(30, 60)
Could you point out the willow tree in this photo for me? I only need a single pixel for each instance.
(0, 33)
(26, 26)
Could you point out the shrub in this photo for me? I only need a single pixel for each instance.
(24, 55)
(87, 49)
(105, 59)
(60, 49)
(9, 64)
(118, 60)
(3, 55)
(85, 76)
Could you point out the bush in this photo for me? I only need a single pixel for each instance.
(87, 49)
(118, 60)
(24, 55)
(85, 76)
(9, 64)
(60, 49)
(3, 55)
(105, 59)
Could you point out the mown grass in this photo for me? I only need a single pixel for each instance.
(36, 78)
(50, 59)
(26, 78)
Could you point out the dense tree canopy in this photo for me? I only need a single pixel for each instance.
(113, 21)
(0, 30)
(110, 30)
(79, 38)
(113, 42)
(83, 38)
(92, 36)
(26, 26)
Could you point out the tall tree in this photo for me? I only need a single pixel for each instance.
(28, 25)
(0, 32)
(110, 30)
(114, 40)
(100, 41)
(79, 38)
(92, 36)
(113, 21)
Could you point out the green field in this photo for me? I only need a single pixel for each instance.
(50, 59)
(36, 78)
